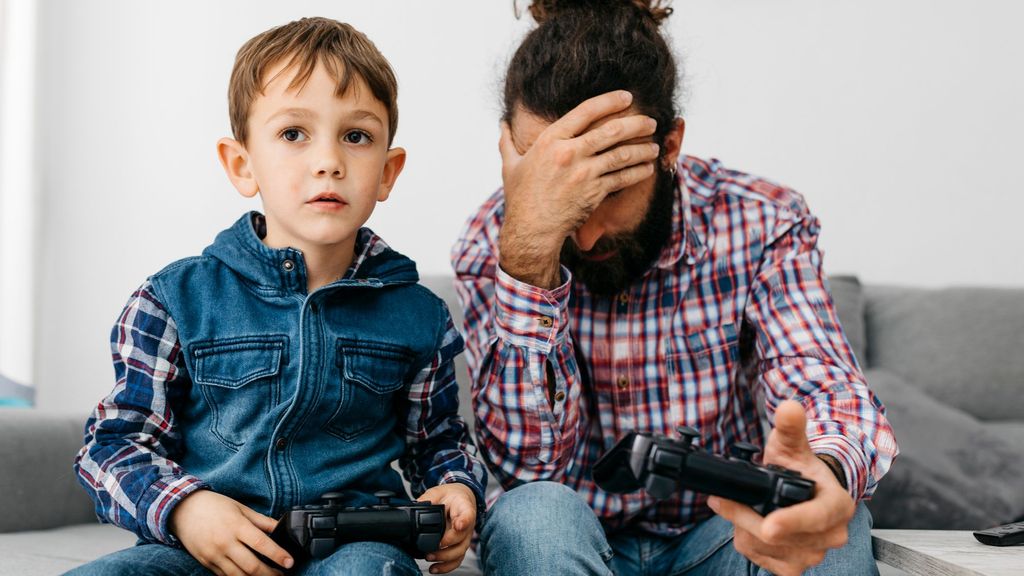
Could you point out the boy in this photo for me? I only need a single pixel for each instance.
(297, 355)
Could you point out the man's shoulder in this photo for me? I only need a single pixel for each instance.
(714, 186)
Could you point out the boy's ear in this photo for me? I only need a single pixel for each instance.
(673, 144)
(235, 160)
(392, 168)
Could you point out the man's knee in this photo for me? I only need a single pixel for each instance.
(539, 507)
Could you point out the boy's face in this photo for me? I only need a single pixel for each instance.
(319, 162)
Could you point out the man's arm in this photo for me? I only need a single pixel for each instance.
(127, 464)
(805, 356)
(515, 333)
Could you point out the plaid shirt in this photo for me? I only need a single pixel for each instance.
(733, 316)
(131, 440)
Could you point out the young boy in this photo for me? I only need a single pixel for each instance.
(297, 355)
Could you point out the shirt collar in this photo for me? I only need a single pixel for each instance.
(683, 240)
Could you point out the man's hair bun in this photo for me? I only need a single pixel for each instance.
(543, 10)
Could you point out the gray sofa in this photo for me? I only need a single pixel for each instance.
(948, 364)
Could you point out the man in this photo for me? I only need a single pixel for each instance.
(614, 285)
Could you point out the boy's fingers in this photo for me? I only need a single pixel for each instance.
(445, 567)
(265, 523)
(260, 542)
(577, 120)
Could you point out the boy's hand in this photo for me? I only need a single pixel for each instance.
(460, 504)
(222, 535)
(789, 540)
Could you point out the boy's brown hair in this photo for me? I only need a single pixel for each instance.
(342, 50)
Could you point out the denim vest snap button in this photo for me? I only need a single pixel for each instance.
(288, 265)
(281, 443)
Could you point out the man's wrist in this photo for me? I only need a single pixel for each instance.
(835, 467)
(532, 260)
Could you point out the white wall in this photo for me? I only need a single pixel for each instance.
(899, 121)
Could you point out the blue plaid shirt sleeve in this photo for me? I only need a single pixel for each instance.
(439, 449)
(127, 464)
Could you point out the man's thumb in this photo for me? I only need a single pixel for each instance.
(791, 427)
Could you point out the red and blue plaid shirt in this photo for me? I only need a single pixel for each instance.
(732, 318)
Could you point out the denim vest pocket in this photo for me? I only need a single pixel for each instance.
(370, 374)
(240, 380)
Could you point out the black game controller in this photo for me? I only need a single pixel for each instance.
(661, 465)
(317, 530)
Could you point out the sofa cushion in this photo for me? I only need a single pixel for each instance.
(36, 479)
(963, 346)
(953, 472)
(848, 298)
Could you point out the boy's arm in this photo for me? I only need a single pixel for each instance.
(127, 464)
(438, 447)
(525, 378)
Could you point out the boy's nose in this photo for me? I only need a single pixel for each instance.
(328, 164)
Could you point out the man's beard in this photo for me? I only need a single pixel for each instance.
(633, 251)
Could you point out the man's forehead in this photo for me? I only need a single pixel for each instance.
(526, 126)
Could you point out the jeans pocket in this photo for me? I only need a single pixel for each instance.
(240, 381)
(370, 375)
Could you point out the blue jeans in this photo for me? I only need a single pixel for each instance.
(546, 528)
(356, 559)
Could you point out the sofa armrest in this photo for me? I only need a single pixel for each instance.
(38, 489)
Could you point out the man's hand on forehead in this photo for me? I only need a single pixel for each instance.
(556, 174)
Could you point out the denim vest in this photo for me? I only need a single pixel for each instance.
(295, 394)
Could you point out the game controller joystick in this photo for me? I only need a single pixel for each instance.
(662, 465)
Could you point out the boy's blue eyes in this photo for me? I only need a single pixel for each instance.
(353, 137)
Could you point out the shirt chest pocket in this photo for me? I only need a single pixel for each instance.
(371, 374)
(240, 381)
(701, 364)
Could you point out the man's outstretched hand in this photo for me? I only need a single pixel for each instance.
(789, 540)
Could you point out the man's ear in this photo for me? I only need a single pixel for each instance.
(673, 144)
(392, 168)
(235, 160)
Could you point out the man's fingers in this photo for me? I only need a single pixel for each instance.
(625, 178)
(625, 156)
(741, 515)
(616, 132)
(507, 148)
(577, 120)
(790, 431)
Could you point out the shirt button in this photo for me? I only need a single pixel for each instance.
(288, 265)
(559, 396)
(545, 321)
(623, 382)
(623, 298)
(281, 443)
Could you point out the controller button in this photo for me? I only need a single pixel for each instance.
(323, 522)
(321, 547)
(430, 519)
(795, 492)
(743, 451)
